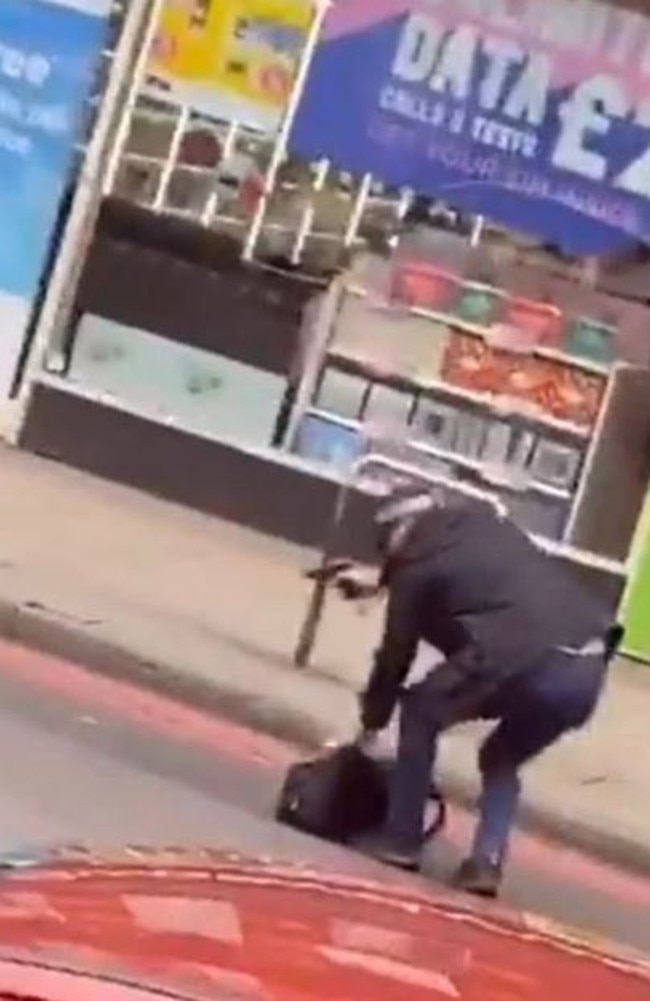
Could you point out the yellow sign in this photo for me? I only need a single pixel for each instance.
(232, 59)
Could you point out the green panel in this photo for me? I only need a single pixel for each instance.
(636, 607)
(591, 339)
(477, 303)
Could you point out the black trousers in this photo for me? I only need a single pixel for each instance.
(533, 711)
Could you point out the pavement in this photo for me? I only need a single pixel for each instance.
(103, 765)
(133, 586)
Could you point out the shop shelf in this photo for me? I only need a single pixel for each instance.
(591, 365)
(500, 405)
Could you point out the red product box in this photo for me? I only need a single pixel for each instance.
(425, 285)
(541, 320)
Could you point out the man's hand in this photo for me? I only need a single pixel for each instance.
(366, 738)
(370, 743)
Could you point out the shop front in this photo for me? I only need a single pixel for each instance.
(250, 321)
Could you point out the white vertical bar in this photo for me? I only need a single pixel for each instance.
(357, 210)
(280, 148)
(212, 203)
(592, 448)
(309, 211)
(80, 225)
(477, 231)
(590, 271)
(403, 205)
(314, 349)
(124, 126)
(172, 159)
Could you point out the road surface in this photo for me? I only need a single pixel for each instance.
(91, 760)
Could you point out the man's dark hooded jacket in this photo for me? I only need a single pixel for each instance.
(473, 586)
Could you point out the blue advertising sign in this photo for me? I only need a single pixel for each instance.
(535, 113)
(49, 51)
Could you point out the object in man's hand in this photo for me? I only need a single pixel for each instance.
(329, 572)
(352, 583)
(357, 584)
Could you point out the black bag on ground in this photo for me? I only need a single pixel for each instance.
(340, 796)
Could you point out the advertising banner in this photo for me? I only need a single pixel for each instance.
(49, 51)
(535, 113)
(234, 60)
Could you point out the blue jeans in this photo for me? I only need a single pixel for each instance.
(533, 710)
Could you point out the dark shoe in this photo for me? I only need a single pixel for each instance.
(408, 861)
(479, 877)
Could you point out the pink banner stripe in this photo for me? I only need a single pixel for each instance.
(569, 65)
(350, 16)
